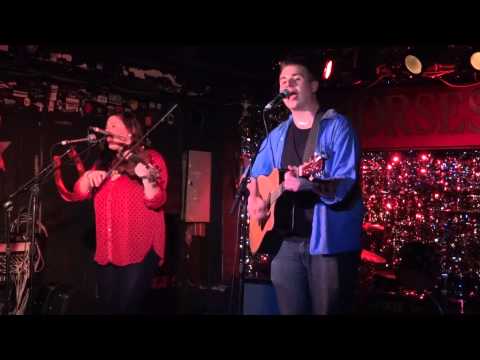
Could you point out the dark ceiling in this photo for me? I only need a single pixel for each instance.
(235, 68)
(245, 59)
(238, 67)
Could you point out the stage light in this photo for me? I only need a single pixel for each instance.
(435, 62)
(475, 60)
(328, 69)
(413, 64)
(427, 68)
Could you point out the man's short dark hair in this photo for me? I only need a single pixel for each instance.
(306, 61)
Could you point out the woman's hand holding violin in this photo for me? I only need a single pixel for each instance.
(143, 169)
(144, 172)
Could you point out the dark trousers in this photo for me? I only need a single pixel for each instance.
(314, 284)
(122, 289)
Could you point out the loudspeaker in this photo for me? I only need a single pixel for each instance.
(259, 298)
(197, 169)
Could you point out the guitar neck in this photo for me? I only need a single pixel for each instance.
(303, 170)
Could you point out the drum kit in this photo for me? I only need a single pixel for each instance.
(417, 277)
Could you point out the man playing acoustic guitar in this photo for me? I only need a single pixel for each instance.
(318, 215)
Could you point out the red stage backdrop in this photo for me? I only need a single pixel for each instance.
(437, 117)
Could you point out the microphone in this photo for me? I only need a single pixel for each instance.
(106, 133)
(90, 138)
(277, 98)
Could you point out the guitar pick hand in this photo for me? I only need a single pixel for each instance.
(257, 208)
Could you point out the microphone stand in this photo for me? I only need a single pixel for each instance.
(241, 198)
(32, 185)
(8, 208)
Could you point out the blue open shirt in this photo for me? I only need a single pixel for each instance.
(335, 229)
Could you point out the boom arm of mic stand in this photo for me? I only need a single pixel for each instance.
(242, 190)
(33, 180)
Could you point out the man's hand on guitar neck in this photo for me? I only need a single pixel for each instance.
(295, 183)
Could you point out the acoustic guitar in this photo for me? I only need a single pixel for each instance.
(270, 189)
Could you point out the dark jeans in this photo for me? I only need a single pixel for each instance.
(122, 289)
(314, 284)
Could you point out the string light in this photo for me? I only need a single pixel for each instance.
(439, 208)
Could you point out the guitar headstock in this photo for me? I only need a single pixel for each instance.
(314, 167)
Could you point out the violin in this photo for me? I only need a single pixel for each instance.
(130, 157)
(136, 153)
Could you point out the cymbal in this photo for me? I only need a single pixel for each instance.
(373, 227)
(371, 257)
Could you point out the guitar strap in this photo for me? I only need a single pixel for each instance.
(312, 137)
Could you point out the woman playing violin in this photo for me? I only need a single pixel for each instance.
(128, 185)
